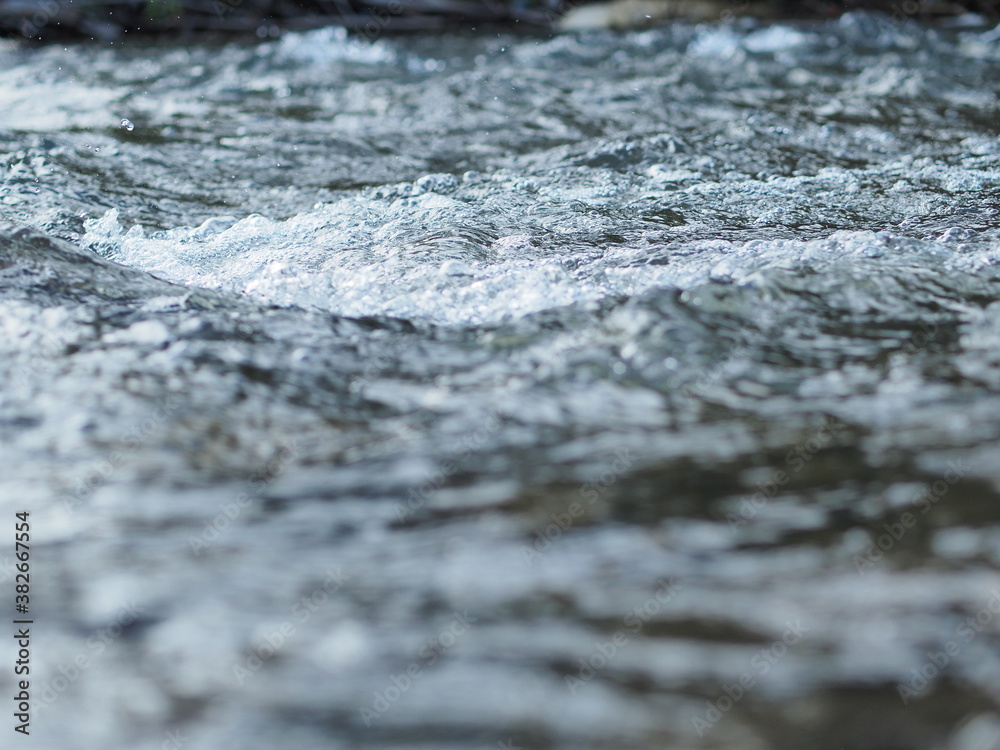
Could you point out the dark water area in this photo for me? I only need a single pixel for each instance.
(629, 390)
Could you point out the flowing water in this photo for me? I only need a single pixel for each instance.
(607, 391)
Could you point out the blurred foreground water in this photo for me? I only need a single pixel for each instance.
(604, 391)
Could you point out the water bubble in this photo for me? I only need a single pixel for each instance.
(127, 124)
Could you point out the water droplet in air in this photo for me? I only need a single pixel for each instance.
(127, 124)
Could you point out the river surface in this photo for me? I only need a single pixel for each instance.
(608, 391)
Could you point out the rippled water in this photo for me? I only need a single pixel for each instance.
(602, 391)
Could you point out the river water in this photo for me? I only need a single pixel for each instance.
(607, 391)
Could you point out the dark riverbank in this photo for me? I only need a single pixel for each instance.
(108, 20)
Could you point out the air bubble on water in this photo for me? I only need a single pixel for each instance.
(127, 124)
